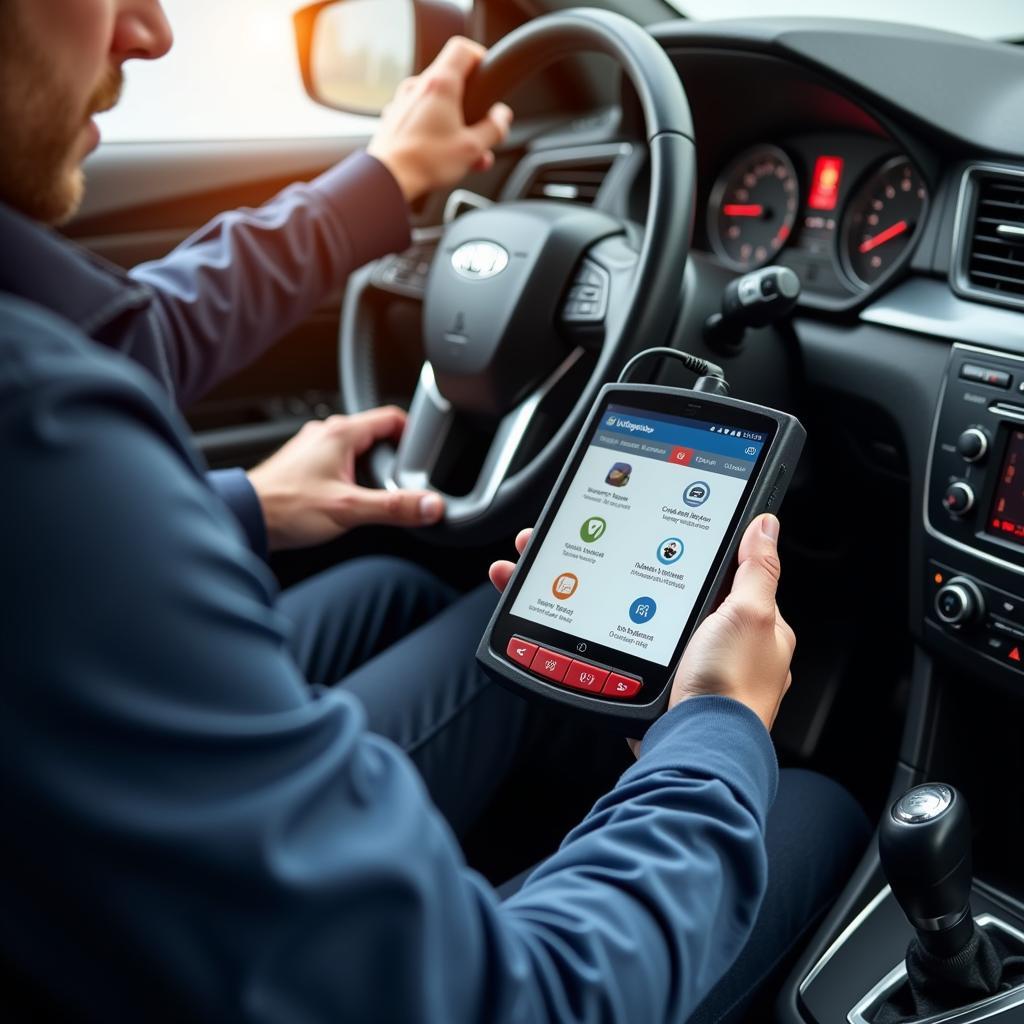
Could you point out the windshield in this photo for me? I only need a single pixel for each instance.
(988, 19)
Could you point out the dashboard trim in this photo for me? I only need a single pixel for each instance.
(948, 316)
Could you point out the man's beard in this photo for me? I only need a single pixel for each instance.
(42, 123)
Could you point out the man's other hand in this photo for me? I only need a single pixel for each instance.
(307, 489)
(423, 138)
(743, 649)
(501, 572)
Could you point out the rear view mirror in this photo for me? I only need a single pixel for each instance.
(354, 53)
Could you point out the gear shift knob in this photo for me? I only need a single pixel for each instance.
(924, 841)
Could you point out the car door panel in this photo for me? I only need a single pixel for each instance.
(143, 199)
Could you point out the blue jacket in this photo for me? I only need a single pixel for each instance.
(190, 831)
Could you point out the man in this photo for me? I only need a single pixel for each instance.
(195, 833)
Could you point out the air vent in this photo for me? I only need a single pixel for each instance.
(578, 182)
(991, 263)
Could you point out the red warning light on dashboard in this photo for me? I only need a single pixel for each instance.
(828, 172)
(1014, 655)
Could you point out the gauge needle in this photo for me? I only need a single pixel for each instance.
(883, 236)
(743, 210)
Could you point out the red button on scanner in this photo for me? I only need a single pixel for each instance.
(621, 687)
(521, 651)
(582, 676)
(550, 665)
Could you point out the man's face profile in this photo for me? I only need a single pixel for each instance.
(60, 63)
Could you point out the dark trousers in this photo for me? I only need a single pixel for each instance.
(403, 643)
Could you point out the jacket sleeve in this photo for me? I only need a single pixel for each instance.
(194, 836)
(236, 286)
(237, 492)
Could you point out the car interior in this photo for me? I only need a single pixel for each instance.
(654, 160)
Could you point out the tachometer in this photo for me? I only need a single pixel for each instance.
(880, 220)
(753, 207)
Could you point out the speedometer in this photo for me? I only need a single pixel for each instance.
(880, 221)
(753, 207)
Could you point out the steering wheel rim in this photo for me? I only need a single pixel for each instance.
(652, 285)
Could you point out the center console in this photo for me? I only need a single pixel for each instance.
(963, 709)
(974, 517)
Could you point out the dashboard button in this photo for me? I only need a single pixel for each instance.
(582, 676)
(986, 375)
(1004, 628)
(521, 650)
(959, 602)
(550, 665)
(621, 687)
(996, 646)
(997, 378)
(972, 444)
(959, 498)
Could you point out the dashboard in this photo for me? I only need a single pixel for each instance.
(828, 147)
(841, 210)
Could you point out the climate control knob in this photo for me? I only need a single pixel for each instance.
(959, 498)
(972, 444)
(959, 602)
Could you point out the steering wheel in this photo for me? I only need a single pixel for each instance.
(503, 322)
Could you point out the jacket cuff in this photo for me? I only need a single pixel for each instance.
(365, 197)
(235, 490)
(719, 737)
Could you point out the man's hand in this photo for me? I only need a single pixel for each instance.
(501, 572)
(423, 138)
(308, 492)
(744, 648)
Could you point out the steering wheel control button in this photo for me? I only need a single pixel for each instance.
(550, 665)
(587, 300)
(406, 272)
(521, 651)
(972, 444)
(582, 676)
(621, 687)
(959, 602)
(959, 498)
(923, 803)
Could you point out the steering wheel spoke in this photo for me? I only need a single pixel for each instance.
(429, 423)
(429, 430)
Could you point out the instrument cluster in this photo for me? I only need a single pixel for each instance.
(840, 210)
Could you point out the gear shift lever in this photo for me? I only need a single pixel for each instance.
(925, 845)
